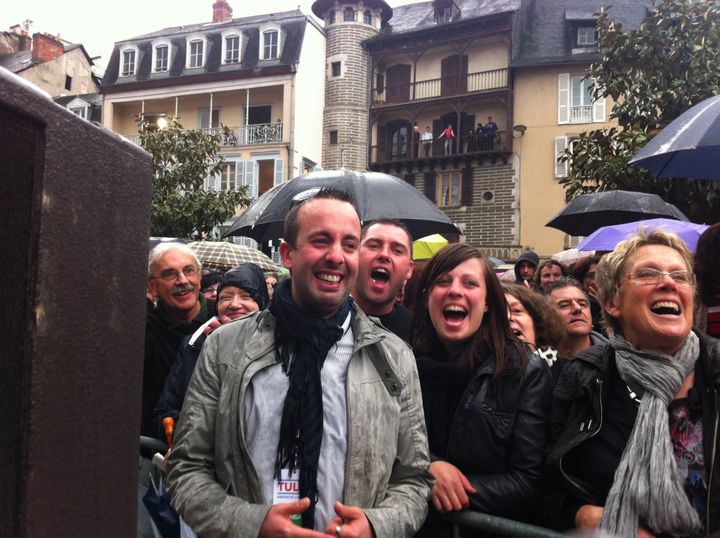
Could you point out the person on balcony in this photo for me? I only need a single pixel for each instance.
(427, 140)
(448, 135)
(416, 140)
(490, 130)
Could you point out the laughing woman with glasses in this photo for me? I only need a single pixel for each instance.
(635, 422)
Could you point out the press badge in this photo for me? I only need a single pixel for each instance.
(287, 490)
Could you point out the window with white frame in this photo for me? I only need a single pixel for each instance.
(270, 44)
(128, 61)
(161, 56)
(562, 167)
(231, 48)
(586, 36)
(349, 14)
(195, 53)
(449, 188)
(575, 102)
(82, 111)
(367, 17)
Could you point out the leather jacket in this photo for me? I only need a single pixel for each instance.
(499, 435)
(577, 416)
(212, 480)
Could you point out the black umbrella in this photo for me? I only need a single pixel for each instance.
(376, 196)
(689, 146)
(588, 212)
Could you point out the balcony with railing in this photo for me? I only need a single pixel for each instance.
(581, 114)
(400, 152)
(246, 135)
(481, 81)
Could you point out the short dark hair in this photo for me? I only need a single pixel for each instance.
(290, 231)
(388, 222)
(565, 282)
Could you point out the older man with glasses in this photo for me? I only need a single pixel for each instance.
(180, 309)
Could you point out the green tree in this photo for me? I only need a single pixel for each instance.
(654, 74)
(182, 159)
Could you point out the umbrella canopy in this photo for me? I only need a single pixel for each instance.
(607, 237)
(376, 195)
(224, 255)
(588, 212)
(689, 146)
(571, 255)
(425, 247)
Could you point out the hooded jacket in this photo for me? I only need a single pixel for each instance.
(527, 256)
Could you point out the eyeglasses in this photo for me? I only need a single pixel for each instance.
(168, 275)
(647, 276)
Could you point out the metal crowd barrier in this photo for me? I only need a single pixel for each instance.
(495, 526)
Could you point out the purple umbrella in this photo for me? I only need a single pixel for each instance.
(607, 237)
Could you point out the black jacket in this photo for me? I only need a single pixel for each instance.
(163, 335)
(498, 436)
(577, 416)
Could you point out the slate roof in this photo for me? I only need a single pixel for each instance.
(19, 61)
(420, 16)
(543, 28)
(292, 23)
(93, 99)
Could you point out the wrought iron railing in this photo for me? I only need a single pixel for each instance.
(478, 144)
(441, 87)
(257, 134)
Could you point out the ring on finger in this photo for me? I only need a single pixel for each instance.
(338, 530)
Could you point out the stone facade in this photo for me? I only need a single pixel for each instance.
(347, 97)
(489, 213)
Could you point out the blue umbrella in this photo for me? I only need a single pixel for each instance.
(607, 237)
(689, 146)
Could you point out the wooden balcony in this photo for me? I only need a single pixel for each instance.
(482, 81)
(403, 156)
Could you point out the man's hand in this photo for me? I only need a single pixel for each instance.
(352, 522)
(277, 521)
(451, 487)
(589, 516)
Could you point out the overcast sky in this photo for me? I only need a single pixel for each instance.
(97, 25)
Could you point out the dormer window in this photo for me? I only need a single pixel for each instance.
(270, 44)
(161, 56)
(231, 47)
(586, 36)
(349, 14)
(128, 62)
(445, 11)
(196, 49)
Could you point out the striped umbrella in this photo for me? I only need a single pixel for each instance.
(223, 255)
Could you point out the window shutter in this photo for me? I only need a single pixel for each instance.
(563, 98)
(599, 110)
(279, 168)
(561, 168)
(250, 178)
(466, 192)
(430, 191)
(239, 174)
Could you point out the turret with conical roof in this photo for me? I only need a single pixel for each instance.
(347, 79)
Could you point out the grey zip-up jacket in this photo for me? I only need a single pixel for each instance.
(212, 480)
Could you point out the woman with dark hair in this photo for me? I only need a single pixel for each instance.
(707, 272)
(535, 322)
(486, 399)
(548, 272)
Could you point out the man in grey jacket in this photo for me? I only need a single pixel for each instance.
(305, 418)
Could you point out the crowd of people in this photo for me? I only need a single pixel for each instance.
(369, 396)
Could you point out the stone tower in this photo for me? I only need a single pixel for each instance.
(347, 78)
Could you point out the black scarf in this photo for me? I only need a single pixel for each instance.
(303, 342)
